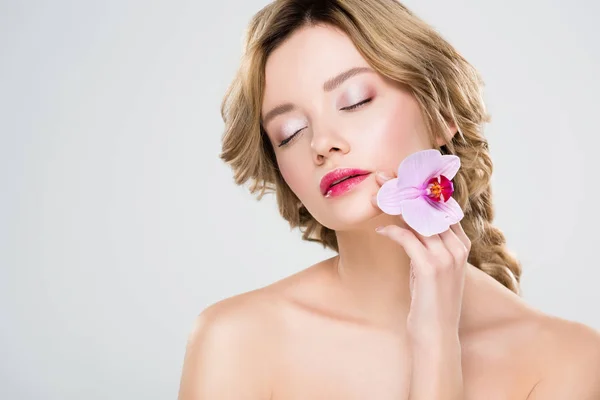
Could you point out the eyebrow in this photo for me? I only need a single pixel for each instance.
(328, 86)
(337, 80)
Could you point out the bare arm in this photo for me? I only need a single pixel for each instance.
(437, 370)
(224, 358)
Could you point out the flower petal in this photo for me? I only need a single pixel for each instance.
(430, 218)
(390, 196)
(451, 209)
(446, 165)
(417, 168)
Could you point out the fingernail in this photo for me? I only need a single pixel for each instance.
(379, 229)
(383, 175)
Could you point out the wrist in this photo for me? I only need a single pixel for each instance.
(437, 369)
(435, 343)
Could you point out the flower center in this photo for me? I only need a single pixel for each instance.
(439, 189)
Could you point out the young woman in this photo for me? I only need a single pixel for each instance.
(330, 99)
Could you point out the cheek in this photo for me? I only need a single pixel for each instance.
(294, 175)
(395, 131)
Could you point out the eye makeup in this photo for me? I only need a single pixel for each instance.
(353, 95)
(290, 138)
(290, 128)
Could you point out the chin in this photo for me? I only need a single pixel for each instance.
(349, 212)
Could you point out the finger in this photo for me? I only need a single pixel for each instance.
(455, 247)
(435, 245)
(383, 176)
(411, 281)
(405, 238)
(460, 233)
(374, 201)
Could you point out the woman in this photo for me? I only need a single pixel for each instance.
(347, 90)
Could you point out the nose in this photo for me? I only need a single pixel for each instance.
(326, 142)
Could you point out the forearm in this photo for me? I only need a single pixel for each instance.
(437, 370)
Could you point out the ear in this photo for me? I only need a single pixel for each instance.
(452, 130)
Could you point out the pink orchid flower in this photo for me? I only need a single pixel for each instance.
(422, 192)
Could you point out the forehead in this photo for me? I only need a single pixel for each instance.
(304, 61)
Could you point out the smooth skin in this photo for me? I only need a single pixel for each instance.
(357, 325)
(438, 266)
(284, 342)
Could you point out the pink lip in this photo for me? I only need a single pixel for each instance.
(340, 188)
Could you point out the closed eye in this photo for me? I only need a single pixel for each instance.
(286, 140)
(352, 107)
(349, 108)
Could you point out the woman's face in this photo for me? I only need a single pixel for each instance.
(364, 122)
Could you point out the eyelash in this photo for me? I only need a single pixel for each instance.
(349, 108)
(360, 103)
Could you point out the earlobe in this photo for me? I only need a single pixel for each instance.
(452, 130)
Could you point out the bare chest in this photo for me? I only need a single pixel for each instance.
(352, 364)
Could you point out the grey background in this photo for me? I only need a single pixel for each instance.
(119, 224)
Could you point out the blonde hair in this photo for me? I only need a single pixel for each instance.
(403, 48)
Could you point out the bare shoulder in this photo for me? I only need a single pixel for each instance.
(541, 356)
(567, 343)
(570, 336)
(233, 343)
(229, 349)
(569, 356)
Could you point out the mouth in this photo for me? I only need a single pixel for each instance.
(340, 181)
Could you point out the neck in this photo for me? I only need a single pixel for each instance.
(374, 273)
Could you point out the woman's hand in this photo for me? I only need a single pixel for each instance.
(438, 267)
